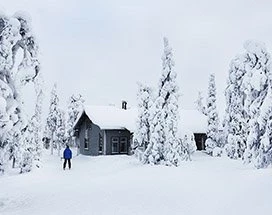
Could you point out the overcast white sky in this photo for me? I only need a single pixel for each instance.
(102, 48)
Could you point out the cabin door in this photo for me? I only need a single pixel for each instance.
(119, 145)
(200, 141)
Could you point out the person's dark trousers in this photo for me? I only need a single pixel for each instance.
(69, 163)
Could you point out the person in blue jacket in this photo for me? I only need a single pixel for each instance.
(67, 155)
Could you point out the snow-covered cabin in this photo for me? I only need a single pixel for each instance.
(108, 130)
(105, 130)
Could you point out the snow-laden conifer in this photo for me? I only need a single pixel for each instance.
(200, 105)
(52, 118)
(257, 64)
(164, 144)
(16, 37)
(236, 119)
(264, 153)
(144, 103)
(212, 115)
(60, 136)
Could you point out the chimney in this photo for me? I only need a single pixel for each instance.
(124, 105)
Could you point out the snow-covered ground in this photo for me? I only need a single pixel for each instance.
(122, 185)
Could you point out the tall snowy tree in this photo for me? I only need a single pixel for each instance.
(236, 119)
(53, 118)
(75, 106)
(144, 98)
(199, 104)
(36, 119)
(60, 131)
(164, 144)
(16, 37)
(142, 136)
(212, 114)
(32, 141)
(264, 153)
(247, 113)
(257, 64)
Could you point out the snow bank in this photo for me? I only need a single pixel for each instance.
(122, 185)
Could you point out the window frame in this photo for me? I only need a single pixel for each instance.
(117, 145)
(100, 144)
(125, 142)
(86, 136)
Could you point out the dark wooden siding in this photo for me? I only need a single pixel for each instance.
(93, 136)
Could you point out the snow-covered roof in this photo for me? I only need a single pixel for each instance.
(192, 121)
(112, 117)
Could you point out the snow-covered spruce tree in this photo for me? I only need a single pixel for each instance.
(264, 154)
(144, 99)
(36, 119)
(212, 114)
(257, 64)
(164, 144)
(60, 130)
(199, 104)
(32, 141)
(52, 119)
(15, 35)
(75, 106)
(28, 144)
(154, 151)
(236, 119)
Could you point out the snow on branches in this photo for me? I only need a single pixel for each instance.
(15, 71)
(55, 123)
(164, 146)
(145, 100)
(248, 105)
(212, 114)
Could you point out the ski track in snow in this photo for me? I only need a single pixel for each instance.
(122, 185)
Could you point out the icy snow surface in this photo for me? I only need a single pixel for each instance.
(121, 185)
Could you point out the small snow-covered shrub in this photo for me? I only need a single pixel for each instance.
(212, 148)
(188, 146)
(217, 152)
(26, 163)
(230, 147)
(139, 153)
(210, 145)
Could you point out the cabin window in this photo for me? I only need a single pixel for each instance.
(123, 144)
(100, 144)
(86, 138)
(114, 144)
